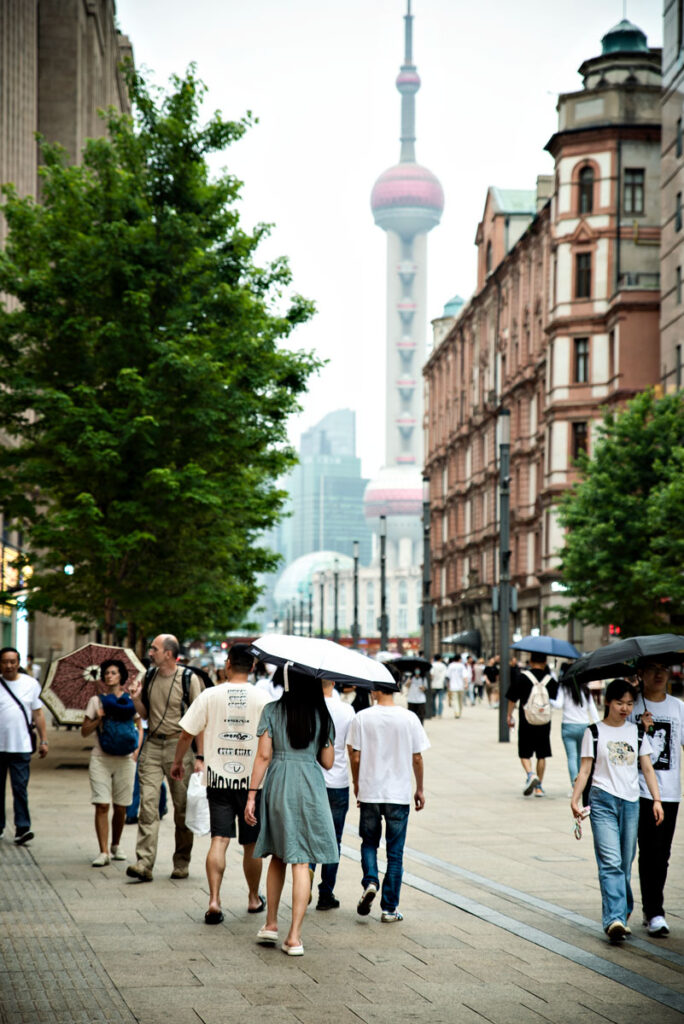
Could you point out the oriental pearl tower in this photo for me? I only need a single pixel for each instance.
(407, 201)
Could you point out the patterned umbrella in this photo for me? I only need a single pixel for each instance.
(74, 678)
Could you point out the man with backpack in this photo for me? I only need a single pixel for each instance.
(162, 698)
(532, 689)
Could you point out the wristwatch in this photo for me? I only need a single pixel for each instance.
(199, 757)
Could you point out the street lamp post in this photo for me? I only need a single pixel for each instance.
(427, 601)
(321, 595)
(336, 582)
(301, 616)
(310, 609)
(355, 624)
(383, 584)
(504, 568)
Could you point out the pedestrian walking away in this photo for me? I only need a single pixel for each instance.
(337, 788)
(115, 727)
(456, 683)
(386, 744)
(534, 740)
(438, 678)
(491, 677)
(297, 828)
(415, 695)
(615, 749)
(20, 709)
(664, 716)
(578, 707)
(162, 698)
(227, 716)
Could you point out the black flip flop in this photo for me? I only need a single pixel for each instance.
(213, 917)
(258, 910)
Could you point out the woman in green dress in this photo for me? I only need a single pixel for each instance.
(296, 735)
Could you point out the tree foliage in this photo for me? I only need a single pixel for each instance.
(624, 550)
(146, 386)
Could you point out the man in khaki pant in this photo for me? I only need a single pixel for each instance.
(160, 701)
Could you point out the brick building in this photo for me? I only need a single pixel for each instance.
(564, 321)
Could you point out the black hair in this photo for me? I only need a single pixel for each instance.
(305, 710)
(10, 650)
(239, 657)
(116, 663)
(260, 670)
(617, 689)
(575, 687)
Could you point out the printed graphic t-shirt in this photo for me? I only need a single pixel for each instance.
(617, 764)
(666, 740)
(228, 716)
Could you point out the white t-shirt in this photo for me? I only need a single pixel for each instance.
(456, 675)
(14, 736)
(228, 716)
(388, 737)
(667, 740)
(575, 714)
(415, 693)
(617, 765)
(271, 689)
(438, 674)
(342, 715)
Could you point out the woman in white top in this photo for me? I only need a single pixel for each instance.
(615, 801)
(579, 710)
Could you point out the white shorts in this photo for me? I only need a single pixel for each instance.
(111, 779)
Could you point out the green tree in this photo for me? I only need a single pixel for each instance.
(147, 389)
(624, 550)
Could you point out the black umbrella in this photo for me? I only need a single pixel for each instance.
(410, 663)
(610, 660)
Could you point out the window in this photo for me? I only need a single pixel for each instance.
(586, 190)
(581, 361)
(583, 275)
(679, 285)
(403, 592)
(488, 258)
(579, 438)
(634, 191)
(678, 213)
(678, 357)
(370, 594)
(678, 138)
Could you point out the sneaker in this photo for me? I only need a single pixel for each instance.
(657, 927)
(390, 916)
(327, 903)
(531, 783)
(180, 873)
(101, 861)
(616, 931)
(364, 904)
(133, 820)
(23, 837)
(538, 791)
(117, 853)
(133, 871)
(628, 930)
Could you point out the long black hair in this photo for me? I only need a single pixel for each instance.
(305, 709)
(574, 687)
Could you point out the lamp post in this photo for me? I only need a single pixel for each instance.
(310, 609)
(321, 595)
(336, 581)
(504, 423)
(355, 623)
(427, 601)
(383, 584)
(301, 615)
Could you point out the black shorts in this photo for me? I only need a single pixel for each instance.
(225, 805)
(533, 740)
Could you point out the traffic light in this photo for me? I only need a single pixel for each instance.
(614, 630)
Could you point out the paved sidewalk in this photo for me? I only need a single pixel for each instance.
(501, 905)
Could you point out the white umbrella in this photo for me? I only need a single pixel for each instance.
(322, 659)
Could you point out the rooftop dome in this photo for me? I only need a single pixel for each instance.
(453, 307)
(407, 198)
(625, 37)
(293, 582)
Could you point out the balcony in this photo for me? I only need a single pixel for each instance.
(637, 281)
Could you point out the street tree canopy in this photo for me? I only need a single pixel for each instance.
(146, 388)
(624, 550)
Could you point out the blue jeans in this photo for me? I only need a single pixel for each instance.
(19, 766)
(370, 829)
(339, 805)
(438, 701)
(571, 734)
(614, 824)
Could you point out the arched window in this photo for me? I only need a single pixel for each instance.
(488, 258)
(403, 592)
(586, 190)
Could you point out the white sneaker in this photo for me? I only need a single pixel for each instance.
(658, 926)
(117, 853)
(101, 860)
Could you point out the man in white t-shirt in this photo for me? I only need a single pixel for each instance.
(438, 677)
(337, 787)
(456, 680)
(228, 716)
(385, 743)
(20, 704)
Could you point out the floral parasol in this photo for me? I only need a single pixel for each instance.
(74, 678)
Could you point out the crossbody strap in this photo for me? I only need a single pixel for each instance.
(17, 701)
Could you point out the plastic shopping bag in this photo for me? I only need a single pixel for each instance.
(197, 807)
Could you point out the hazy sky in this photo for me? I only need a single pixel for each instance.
(320, 75)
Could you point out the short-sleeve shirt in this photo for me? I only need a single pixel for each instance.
(521, 686)
(438, 675)
(666, 739)
(165, 694)
(14, 735)
(387, 737)
(616, 770)
(91, 712)
(228, 715)
(342, 715)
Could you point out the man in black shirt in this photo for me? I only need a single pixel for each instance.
(533, 740)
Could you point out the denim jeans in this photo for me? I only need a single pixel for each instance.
(438, 698)
(339, 805)
(19, 766)
(134, 806)
(614, 824)
(370, 829)
(571, 734)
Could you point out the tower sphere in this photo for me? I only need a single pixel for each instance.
(408, 80)
(408, 199)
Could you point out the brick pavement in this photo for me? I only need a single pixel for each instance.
(79, 944)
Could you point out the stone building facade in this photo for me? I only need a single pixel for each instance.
(60, 62)
(564, 321)
(671, 193)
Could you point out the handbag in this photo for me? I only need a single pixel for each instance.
(29, 725)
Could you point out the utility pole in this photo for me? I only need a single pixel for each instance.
(336, 579)
(427, 597)
(383, 584)
(355, 624)
(504, 423)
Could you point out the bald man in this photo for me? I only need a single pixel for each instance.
(162, 699)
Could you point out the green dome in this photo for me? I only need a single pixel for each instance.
(625, 37)
(453, 307)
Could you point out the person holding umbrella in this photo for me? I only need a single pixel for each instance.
(296, 825)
